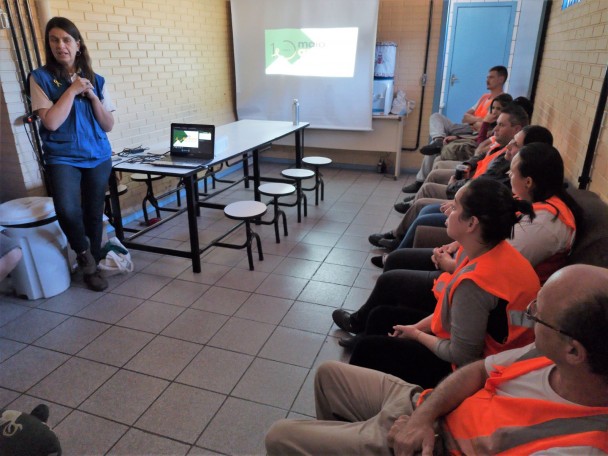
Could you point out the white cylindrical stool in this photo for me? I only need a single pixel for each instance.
(44, 271)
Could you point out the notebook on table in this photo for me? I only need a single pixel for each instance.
(192, 146)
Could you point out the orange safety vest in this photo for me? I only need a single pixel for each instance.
(482, 165)
(487, 423)
(483, 105)
(555, 206)
(503, 272)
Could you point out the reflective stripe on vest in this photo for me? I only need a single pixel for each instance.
(486, 423)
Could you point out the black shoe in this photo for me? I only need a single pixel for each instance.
(374, 239)
(402, 207)
(378, 261)
(390, 244)
(41, 411)
(433, 148)
(348, 342)
(342, 319)
(412, 188)
(86, 262)
(409, 198)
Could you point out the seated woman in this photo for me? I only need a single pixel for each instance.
(479, 308)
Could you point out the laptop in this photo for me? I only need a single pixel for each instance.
(192, 146)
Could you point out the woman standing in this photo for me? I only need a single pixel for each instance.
(76, 112)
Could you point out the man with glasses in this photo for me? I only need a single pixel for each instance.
(548, 398)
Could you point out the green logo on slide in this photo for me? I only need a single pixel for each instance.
(287, 45)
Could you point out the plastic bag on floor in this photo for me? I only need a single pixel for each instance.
(117, 259)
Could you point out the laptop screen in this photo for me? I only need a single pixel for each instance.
(192, 141)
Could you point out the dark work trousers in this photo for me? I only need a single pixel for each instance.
(410, 286)
(79, 197)
(406, 359)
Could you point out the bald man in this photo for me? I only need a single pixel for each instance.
(548, 398)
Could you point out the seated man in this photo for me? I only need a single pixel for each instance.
(442, 127)
(548, 396)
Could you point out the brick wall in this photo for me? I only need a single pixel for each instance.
(570, 80)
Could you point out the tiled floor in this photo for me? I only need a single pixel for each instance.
(171, 362)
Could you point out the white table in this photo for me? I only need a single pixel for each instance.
(235, 139)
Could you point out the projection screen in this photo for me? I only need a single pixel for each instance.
(320, 52)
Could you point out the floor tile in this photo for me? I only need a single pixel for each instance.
(195, 326)
(180, 293)
(336, 274)
(282, 286)
(85, 434)
(292, 346)
(310, 252)
(296, 267)
(151, 316)
(70, 301)
(264, 308)
(308, 317)
(164, 357)
(72, 335)
(9, 311)
(116, 346)
(110, 308)
(240, 427)
(215, 369)
(31, 325)
(9, 347)
(243, 336)
(140, 443)
(168, 266)
(210, 274)
(221, 300)
(271, 383)
(73, 382)
(239, 281)
(346, 257)
(28, 367)
(188, 410)
(142, 285)
(119, 403)
(6, 397)
(327, 294)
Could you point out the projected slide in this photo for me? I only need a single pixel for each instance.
(184, 138)
(324, 52)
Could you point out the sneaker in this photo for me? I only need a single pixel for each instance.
(390, 244)
(374, 239)
(402, 207)
(412, 188)
(433, 148)
(86, 262)
(95, 281)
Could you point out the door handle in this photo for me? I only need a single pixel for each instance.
(453, 79)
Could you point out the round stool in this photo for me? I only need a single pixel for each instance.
(122, 189)
(276, 190)
(246, 211)
(298, 175)
(148, 179)
(44, 269)
(316, 163)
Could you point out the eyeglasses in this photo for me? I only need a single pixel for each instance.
(531, 312)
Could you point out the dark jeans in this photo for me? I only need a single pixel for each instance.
(79, 195)
(406, 359)
(411, 286)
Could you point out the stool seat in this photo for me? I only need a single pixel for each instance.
(277, 189)
(298, 173)
(141, 177)
(122, 189)
(317, 161)
(242, 210)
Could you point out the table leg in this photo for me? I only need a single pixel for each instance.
(115, 205)
(299, 134)
(256, 174)
(192, 205)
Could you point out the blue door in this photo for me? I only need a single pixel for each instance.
(480, 39)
